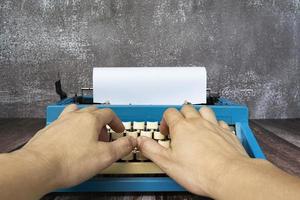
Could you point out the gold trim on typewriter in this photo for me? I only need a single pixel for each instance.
(133, 168)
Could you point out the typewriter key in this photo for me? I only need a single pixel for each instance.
(138, 125)
(140, 156)
(164, 143)
(128, 157)
(158, 136)
(152, 125)
(115, 136)
(132, 133)
(127, 125)
(146, 134)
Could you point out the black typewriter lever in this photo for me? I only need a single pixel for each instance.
(59, 90)
(212, 98)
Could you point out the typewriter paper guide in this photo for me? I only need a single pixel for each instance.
(149, 85)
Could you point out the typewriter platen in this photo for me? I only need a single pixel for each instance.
(134, 172)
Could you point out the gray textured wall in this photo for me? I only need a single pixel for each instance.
(250, 47)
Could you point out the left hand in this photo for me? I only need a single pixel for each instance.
(71, 146)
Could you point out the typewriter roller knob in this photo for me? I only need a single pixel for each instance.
(152, 125)
(146, 134)
(132, 133)
(138, 125)
(164, 143)
(127, 125)
(158, 136)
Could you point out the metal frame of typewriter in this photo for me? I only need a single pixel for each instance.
(225, 110)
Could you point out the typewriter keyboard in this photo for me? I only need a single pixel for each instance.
(135, 162)
(136, 129)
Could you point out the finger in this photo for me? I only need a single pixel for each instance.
(163, 128)
(68, 109)
(188, 111)
(170, 117)
(107, 116)
(236, 143)
(224, 125)
(88, 109)
(154, 151)
(208, 114)
(122, 147)
(104, 135)
(229, 136)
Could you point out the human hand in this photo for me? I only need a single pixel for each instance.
(71, 146)
(202, 149)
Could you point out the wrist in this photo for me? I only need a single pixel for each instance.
(238, 172)
(44, 168)
(226, 176)
(27, 172)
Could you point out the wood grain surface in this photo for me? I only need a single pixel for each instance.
(279, 139)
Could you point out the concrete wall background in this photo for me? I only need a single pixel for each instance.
(250, 47)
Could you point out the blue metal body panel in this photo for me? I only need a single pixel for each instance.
(128, 184)
(225, 110)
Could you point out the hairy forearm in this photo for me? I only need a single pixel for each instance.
(258, 179)
(25, 175)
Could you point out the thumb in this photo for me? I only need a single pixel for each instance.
(155, 152)
(122, 147)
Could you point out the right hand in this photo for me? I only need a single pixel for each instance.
(202, 149)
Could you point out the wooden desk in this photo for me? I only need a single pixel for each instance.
(279, 139)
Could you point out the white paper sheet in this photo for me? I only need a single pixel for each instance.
(149, 85)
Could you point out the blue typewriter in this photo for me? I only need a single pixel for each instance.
(134, 172)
